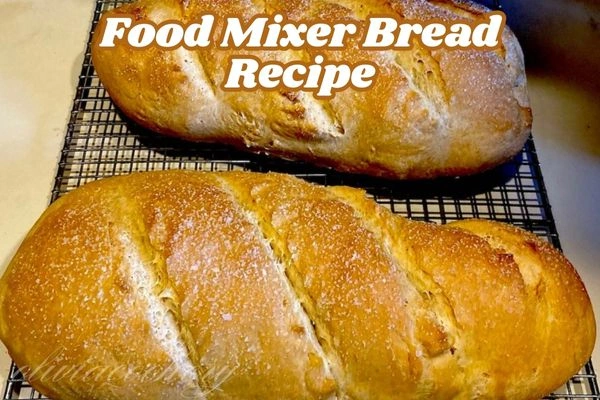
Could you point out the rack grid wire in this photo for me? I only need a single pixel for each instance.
(101, 142)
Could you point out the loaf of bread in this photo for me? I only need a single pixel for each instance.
(429, 112)
(174, 285)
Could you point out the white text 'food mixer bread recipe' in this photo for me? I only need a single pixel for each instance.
(275, 32)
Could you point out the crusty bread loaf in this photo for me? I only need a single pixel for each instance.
(429, 113)
(263, 286)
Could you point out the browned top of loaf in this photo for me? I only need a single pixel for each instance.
(429, 112)
(283, 289)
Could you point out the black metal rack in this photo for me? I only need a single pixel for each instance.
(100, 142)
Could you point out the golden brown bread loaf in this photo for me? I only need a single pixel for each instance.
(429, 113)
(172, 285)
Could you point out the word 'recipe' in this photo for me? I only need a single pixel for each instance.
(323, 78)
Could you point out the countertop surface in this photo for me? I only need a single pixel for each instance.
(41, 51)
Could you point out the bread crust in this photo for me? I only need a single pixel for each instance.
(429, 113)
(277, 288)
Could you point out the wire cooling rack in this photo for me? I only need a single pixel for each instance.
(100, 142)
